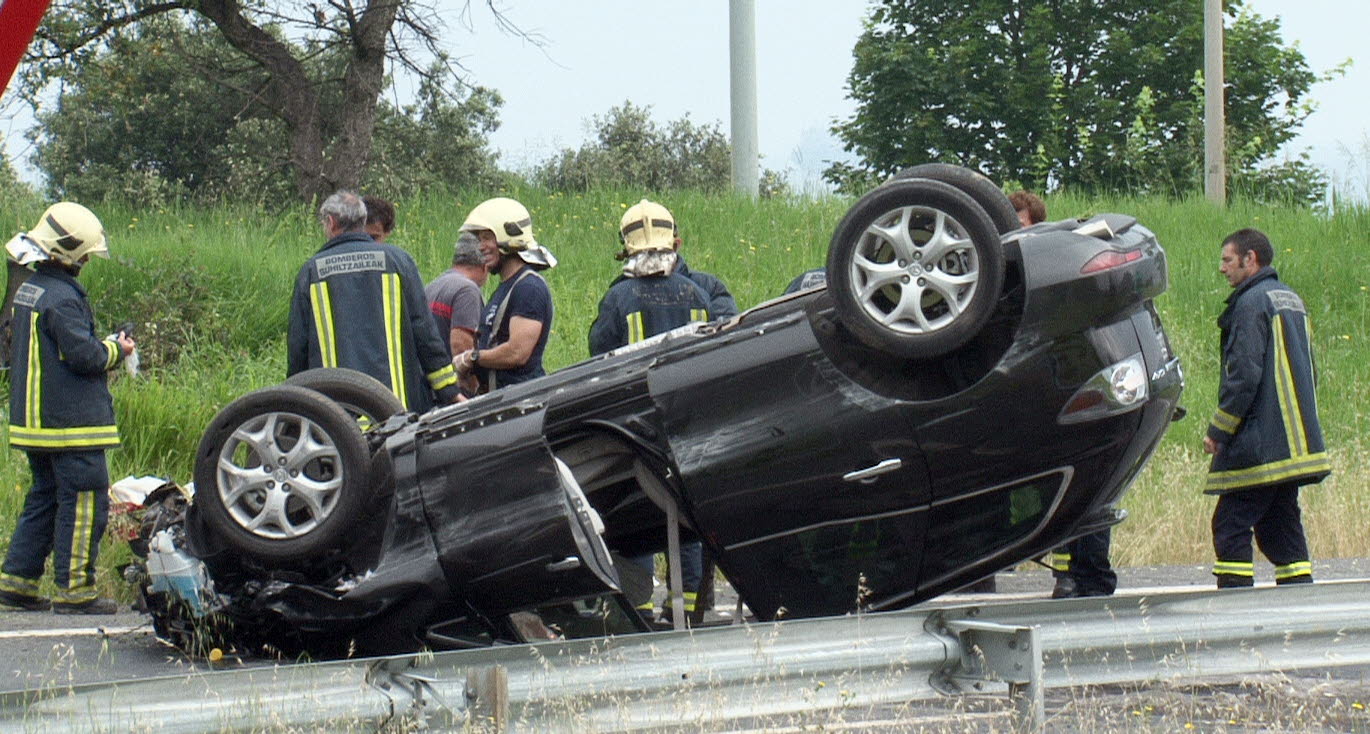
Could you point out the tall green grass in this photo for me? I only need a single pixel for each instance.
(209, 290)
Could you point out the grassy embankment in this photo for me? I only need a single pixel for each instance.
(209, 290)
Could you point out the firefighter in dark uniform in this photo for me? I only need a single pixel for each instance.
(360, 304)
(1265, 437)
(649, 298)
(517, 320)
(62, 417)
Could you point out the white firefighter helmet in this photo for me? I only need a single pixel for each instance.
(647, 225)
(68, 232)
(513, 228)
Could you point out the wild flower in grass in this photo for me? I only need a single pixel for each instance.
(1358, 706)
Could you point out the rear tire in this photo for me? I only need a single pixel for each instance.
(915, 268)
(281, 476)
(978, 186)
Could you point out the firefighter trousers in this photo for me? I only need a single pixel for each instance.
(64, 514)
(1272, 515)
(1085, 561)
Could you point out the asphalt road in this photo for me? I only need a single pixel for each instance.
(40, 649)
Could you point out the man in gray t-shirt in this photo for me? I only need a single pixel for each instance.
(455, 296)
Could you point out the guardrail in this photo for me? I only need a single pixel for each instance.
(692, 679)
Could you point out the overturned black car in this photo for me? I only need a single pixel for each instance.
(962, 396)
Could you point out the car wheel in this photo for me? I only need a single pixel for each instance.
(364, 397)
(978, 186)
(281, 475)
(915, 268)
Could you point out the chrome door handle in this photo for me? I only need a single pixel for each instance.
(868, 475)
(569, 563)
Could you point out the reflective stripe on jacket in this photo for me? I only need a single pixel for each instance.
(360, 304)
(1266, 423)
(637, 308)
(59, 397)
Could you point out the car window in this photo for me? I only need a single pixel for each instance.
(973, 526)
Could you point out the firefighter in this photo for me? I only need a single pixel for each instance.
(62, 417)
(518, 318)
(651, 296)
(360, 304)
(1265, 438)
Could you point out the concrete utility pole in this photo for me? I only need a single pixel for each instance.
(742, 50)
(1215, 119)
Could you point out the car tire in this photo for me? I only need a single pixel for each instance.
(881, 289)
(985, 192)
(307, 503)
(362, 396)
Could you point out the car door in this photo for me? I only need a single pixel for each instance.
(512, 528)
(810, 488)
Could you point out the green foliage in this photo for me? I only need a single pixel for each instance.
(1087, 96)
(630, 150)
(11, 188)
(134, 126)
(437, 144)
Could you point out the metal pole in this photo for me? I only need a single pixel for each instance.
(742, 49)
(1215, 159)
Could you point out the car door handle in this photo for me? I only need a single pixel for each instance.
(569, 563)
(868, 475)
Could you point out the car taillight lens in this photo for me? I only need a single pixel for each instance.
(1110, 259)
(1115, 389)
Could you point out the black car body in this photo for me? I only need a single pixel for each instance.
(823, 472)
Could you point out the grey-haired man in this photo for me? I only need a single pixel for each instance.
(359, 304)
(455, 297)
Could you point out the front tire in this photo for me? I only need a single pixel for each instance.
(363, 397)
(915, 268)
(281, 476)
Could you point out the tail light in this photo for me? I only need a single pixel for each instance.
(1109, 259)
(1115, 389)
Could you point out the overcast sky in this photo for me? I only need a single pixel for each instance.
(673, 56)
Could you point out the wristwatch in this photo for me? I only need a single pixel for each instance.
(475, 357)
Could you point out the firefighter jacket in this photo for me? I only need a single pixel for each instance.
(721, 302)
(636, 308)
(1266, 424)
(360, 304)
(59, 397)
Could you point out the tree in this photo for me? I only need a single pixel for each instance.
(1101, 96)
(631, 150)
(317, 69)
(132, 124)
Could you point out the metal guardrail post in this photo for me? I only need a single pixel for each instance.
(987, 654)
